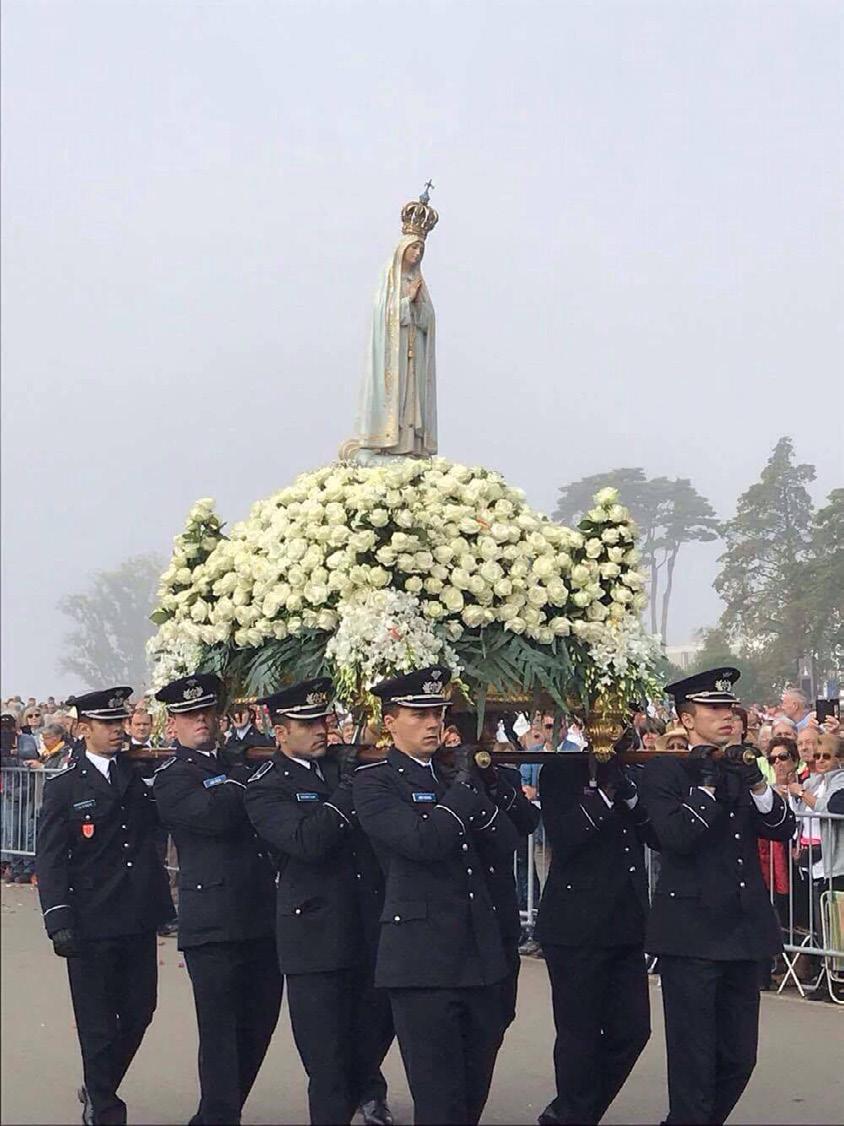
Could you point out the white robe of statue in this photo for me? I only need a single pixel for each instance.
(398, 404)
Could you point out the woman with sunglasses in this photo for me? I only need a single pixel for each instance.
(782, 760)
(821, 848)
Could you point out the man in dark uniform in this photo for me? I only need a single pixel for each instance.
(226, 894)
(243, 732)
(503, 785)
(440, 953)
(300, 802)
(592, 927)
(711, 920)
(103, 892)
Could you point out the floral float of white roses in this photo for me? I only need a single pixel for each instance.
(460, 541)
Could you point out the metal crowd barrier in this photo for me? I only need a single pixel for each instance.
(811, 911)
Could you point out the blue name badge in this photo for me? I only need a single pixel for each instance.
(217, 780)
(426, 797)
(84, 804)
(307, 797)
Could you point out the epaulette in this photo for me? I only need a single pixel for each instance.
(164, 765)
(260, 772)
(367, 765)
(64, 770)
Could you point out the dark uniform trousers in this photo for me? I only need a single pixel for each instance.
(237, 992)
(498, 872)
(711, 1026)
(113, 984)
(226, 926)
(591, 926)
(440, 953)
(329, 895)
(711, 924)
(100, 878)
(602, 1017)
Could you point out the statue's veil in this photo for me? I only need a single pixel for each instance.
(378, 424)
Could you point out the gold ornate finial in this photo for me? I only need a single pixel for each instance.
(418, 217)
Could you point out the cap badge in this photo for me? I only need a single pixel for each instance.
(115, 702)
(192, 693)
(314, 698)
(431, 688)
(723, 685)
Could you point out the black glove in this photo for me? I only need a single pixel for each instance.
(729, 787)
(706, 770)
(64, 944)
(742, 760)
(464, 765)
(347, 760)
(614, 782)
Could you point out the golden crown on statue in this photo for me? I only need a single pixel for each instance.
(418, 217)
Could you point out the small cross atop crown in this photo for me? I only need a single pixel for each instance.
(418, 217)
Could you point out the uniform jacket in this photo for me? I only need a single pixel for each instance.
(710, 901)
(498, 869)
(251, 737)
(597, 888)
(311, 827)
(439, 925)
(98, 871)
(226, 878)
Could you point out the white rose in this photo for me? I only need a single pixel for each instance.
(516, 625)
(616, 554)
(473, 616)
(379, 517)
(294, 625)
(594, 548)
(433, 610)
(581, 598)
(597, 515)
(452, 599)
(596, 612)
(183, 576)
(557, 592)
(433, 585)
(560, 626)
(606, 496)
(378, 577)
(537, 596)
(477, 585)
(619, 514)
(363, 541)
(543, 567)
(296, 549)
(503, 588)
(386, 555)
(580, 575)
(443, 553)
(610, 535)
(423, 560)
(519, 569)
(621, 594)
(294, 602)
(532, 617)
(610, 570)
(414, 585)
(508, 610)
(500, 532)
(327, 620)
(460, 578)
(491, 571)
(634, 580)
(617, 612)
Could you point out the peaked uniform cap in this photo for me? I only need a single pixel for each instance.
(309, 699)
(107, 703)
(190, 693)
(422, 688)
(714, 686)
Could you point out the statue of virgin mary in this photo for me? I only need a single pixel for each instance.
(398, 403)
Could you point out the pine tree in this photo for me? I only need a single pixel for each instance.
(764, 574)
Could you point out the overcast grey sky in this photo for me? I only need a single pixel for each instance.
(638, 260)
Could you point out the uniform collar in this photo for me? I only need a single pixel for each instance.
(411, 767)
(101, 762)
(204, 759)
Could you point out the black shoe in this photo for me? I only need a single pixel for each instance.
(376, 1113)
(549, 1116)
(87, 1106)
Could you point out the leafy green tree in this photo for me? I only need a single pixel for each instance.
(823, 589)
(669, 514)
(757, 685)
(764, 575)
(111, 624)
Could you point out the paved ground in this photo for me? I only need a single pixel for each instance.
(798, 1079)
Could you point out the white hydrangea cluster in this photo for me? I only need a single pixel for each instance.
(381, 632)
(460, 540)
(622, 658)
